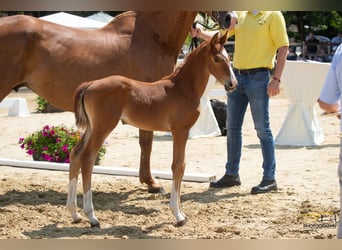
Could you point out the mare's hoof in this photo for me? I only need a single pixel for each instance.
(181, 223)
(156, 190)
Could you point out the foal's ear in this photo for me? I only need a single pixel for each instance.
(215, 39)
(217, 42)
(224, 38)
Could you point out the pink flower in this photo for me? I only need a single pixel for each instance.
(51, 143)
(30, 151)
(46, 157)
(65, 148)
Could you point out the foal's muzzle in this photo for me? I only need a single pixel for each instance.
(230, 85)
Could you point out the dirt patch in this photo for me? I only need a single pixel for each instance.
(32, 202)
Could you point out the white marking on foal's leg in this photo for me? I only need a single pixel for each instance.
(174, 205)
(72, 201)
(88, 209)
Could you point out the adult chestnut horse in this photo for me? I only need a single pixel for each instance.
(53, 60)
(170, 104)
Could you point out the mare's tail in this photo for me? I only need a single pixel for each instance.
(81, 116)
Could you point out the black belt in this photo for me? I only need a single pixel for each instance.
(250, 71)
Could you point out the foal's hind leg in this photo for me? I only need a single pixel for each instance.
(145, 141)
(87, 160)
(74, 170)
(83, 156)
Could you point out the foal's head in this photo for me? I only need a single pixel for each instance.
(219, 64)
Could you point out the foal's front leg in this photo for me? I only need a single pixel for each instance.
(178, 167)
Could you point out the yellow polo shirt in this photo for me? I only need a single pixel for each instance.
(257, 38)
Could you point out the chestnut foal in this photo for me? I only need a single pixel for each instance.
(170, 104)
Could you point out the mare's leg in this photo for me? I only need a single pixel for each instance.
(145, 141)
(11, 70)
(178, 167)
(3, 92)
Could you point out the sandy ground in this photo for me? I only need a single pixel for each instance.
(32, 202)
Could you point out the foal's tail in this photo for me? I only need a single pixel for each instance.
(82, 120)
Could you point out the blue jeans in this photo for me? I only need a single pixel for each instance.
(252, 89)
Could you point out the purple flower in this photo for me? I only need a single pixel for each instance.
(65, 148)
(51, 143)
(30, 152)
(46, 157)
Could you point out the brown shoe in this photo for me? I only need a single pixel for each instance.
(226, 181)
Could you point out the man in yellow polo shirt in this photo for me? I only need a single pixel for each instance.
(260, 38)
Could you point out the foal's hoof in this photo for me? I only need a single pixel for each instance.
(76, 221)
(95, 224)
(181, 223)
(156, 190)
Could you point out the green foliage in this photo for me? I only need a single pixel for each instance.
(41, 102)
(336, 20)
(53, 144)
(326, 23)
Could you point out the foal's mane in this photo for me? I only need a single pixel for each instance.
(188, 58)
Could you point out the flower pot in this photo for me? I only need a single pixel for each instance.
(35, 157)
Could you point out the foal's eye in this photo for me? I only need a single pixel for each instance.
(216, 59)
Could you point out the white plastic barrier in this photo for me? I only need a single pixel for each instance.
(16, 106)
(109, 170)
